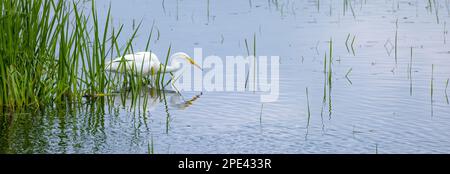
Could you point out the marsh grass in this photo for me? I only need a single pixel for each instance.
(54, 52)
(309, 113)
(150, 147)
(318, 5)
(353, 11)
(344, 6)
(40, 52)
(352, 45)
(436, 9)
(445, 32)
(248, 72)
(254, 63)
(410, 72)
(330, 73)
(307, 100)
(376, 148)
(432, 88)
(166, 109)
(346, 76)
(177, 11)
(207, 10)
(324, 98)
(446, 85)
(163, 5)
(430, 5)
(346, 42)
(327, 71)
(445, 91)
(261, 113)
(396, 41)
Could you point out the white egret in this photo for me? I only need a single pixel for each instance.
(147, 63)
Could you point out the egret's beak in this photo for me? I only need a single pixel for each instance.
(191, 61)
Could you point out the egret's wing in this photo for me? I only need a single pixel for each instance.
(143, 62)
(127, 58)
(117, 63)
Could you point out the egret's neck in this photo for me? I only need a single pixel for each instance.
(175, 65)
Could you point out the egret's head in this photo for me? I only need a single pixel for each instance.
(181, 55)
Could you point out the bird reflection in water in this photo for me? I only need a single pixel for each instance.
(151, 97)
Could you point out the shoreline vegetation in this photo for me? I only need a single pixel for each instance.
(53, 53)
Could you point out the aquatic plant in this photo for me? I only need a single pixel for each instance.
(309, 113)
(446, 85)
(346, 75)
(307, 101)
(445, 91)
(40, 53)
(346, 42)
(52, 52)
(150, 147)
(396, 41)
(352, 45)
(410, 72)
(254, 63)
(432, 88)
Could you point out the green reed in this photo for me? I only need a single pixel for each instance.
(344, 6)
(346, 42)
(328, 77)
(309, 113)
(353, 11)
(436, 7)
(307, 103)
(55, 52)
(432, 88)
(330, 73)
(376, 148)
(324, 84)
(207, 10)
(261, 113)
(318, 5)
(445, 91)
(352, 45)
(150, 147)
(432, 82)
(410, 72)
(396, 40)
(39, 55)
(445, 33)
(446, 85)
(346, 75)
(254, 62)
(160, 81)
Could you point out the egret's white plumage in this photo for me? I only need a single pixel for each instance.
(146, 63)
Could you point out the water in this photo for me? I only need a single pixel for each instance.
(373, 111)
